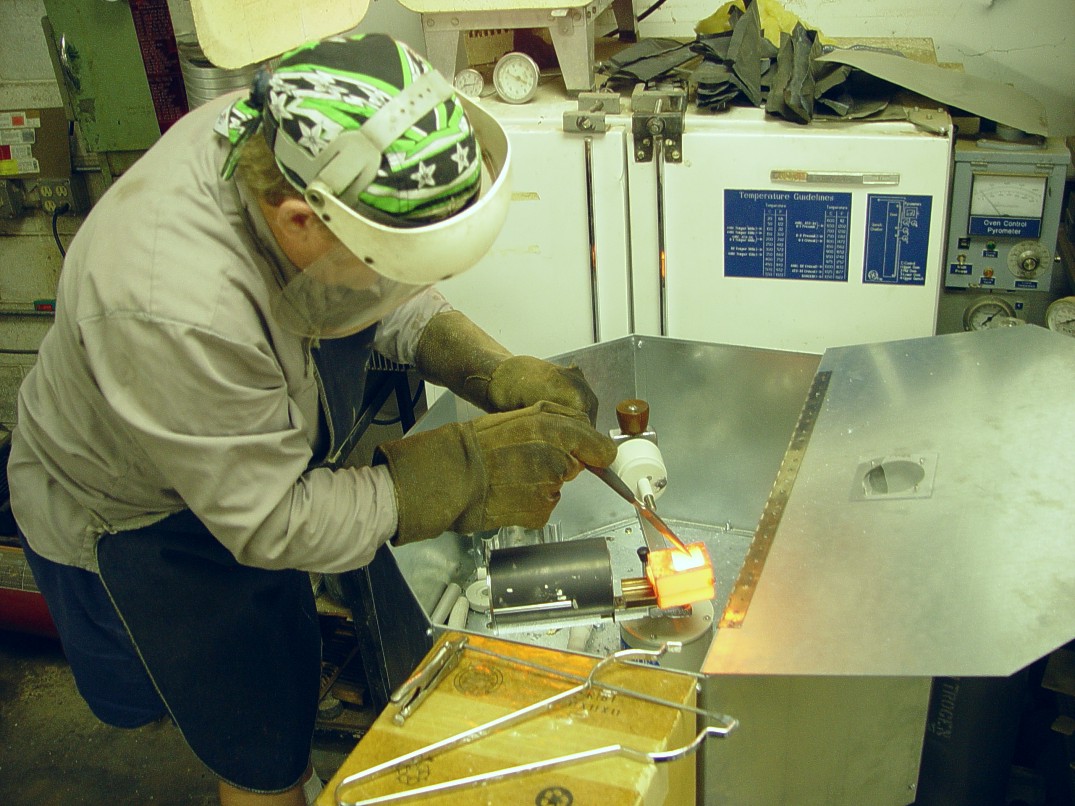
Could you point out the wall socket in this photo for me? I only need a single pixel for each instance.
(54, 193)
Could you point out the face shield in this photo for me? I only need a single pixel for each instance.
(338, 295)
(380, 262)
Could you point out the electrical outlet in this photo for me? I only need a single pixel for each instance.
(54, 193)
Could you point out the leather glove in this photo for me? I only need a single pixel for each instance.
(523, 380)
(502, 469)
(456, 353)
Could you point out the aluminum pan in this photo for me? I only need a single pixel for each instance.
(971, 574)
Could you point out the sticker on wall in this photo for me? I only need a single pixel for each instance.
(786, 235)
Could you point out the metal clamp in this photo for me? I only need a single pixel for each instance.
(419, 685)
(589, 118)
(657, 121)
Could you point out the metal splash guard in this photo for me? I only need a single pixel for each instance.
(930, 529)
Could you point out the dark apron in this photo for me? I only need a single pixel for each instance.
(235, 651)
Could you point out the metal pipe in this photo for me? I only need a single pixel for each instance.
(591, 232)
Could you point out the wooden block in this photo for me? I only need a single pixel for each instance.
(482, 688)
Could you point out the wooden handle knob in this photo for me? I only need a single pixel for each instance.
(633, 416)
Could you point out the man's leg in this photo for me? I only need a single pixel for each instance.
(239, 666)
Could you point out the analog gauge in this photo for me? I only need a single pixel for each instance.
(469, 82)
(515, 77)
(1007, 195)
(1060, 316)
(980, 314)
(1004, 321)
(1028, 259)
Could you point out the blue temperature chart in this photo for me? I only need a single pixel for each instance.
(897, 239)
(786, 235)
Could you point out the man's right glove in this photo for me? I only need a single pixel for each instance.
(497, 470)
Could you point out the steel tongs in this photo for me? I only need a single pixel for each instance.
(494, 725)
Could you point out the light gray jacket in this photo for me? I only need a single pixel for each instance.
(165, 382)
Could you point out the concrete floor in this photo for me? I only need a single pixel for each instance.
(54, 751)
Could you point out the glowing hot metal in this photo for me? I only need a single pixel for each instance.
(681, 577)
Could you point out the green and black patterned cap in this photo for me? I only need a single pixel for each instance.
(324, 88)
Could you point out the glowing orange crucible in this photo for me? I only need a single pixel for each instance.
(681, 576)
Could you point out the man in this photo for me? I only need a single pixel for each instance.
(177, 465)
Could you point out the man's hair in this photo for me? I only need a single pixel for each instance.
(258, 170)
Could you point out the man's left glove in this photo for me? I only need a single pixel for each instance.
(456, 353)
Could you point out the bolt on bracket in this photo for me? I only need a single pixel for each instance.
(657, 119)
(589, 118)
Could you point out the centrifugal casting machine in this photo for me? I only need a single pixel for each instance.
(870, 520)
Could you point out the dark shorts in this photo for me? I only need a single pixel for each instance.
(174, 624)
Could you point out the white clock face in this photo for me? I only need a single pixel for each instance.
(1007, 195)
(515, 77)
(469, 82)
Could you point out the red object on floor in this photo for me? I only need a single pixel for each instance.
(22, 607)
(24, 611)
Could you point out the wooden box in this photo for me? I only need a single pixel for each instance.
(481, 688)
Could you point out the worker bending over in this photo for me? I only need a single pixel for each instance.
(178, 464)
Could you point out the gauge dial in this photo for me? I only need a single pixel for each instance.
(1004, 321)
(1060, 316)
(1028, 259)
(1009, 195)
(981, 313)
(469, 82)
(515, 77)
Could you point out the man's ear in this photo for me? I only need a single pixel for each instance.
(297, 230)
(295, 219)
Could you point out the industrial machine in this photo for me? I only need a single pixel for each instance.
(855, 558)
(1006, 202)
(739, 229)
(1002, 262)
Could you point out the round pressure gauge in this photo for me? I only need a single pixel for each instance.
(1028, 259)
(515, 77)
(469, 82)
(980, 314)
(1060, 316)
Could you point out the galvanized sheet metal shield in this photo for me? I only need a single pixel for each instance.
(931, 527)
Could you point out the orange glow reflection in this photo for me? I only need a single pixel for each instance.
(681, 577)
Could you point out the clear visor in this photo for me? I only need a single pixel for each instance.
(338, 295)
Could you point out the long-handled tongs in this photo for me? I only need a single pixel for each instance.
(728, 724)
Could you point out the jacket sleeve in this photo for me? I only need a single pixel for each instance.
(399, 332)
(215, 418)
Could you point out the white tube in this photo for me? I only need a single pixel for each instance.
(457, 619)
(447, 600)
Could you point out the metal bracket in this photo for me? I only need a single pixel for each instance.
(657, 121)
(589, 118)
(934, 121)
